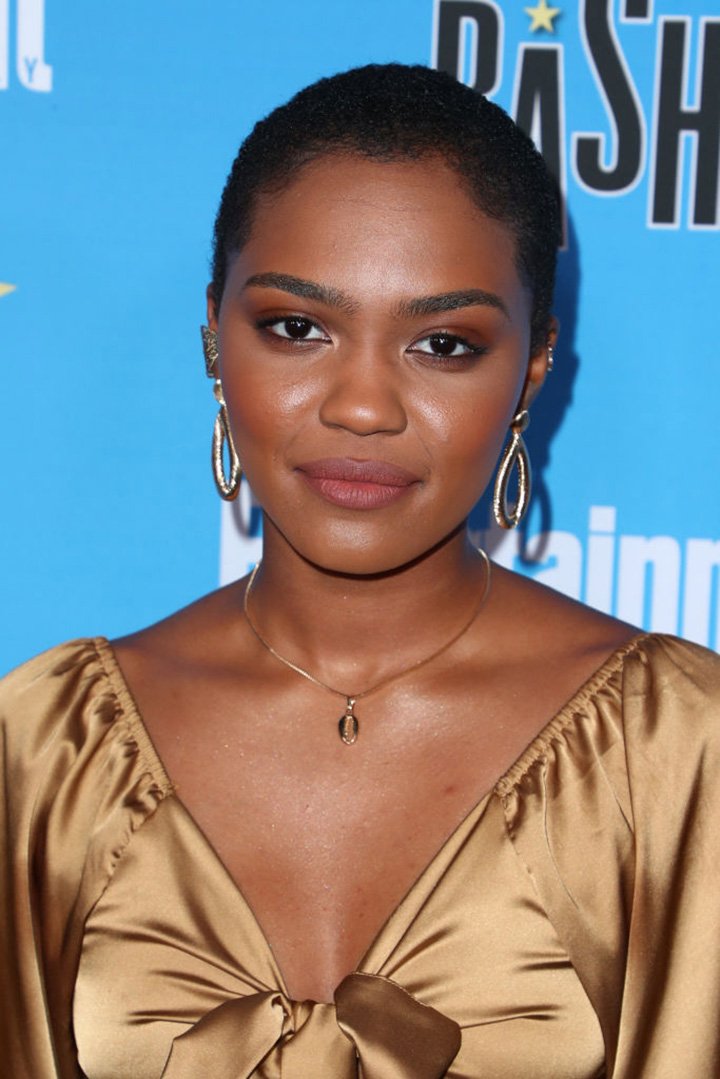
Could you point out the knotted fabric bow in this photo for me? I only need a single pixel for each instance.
(373, 1024)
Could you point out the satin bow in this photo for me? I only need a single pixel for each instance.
(373, 1023)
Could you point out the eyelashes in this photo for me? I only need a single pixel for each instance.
(293, 328)
(441, 348)
(446, 345)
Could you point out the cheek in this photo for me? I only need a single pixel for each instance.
(265, 410)
(464, 437)
(467, 432)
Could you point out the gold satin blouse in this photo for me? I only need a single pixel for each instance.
(568, 928)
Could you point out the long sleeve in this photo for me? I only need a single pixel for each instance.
(616, 817)
(670, 1019)
(74, 789)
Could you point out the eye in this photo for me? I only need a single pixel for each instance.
(294, 328)
(446, 346)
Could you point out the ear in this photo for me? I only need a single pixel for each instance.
(212, 311)
(538, 365)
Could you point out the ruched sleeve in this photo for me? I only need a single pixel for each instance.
(670, 1019)
(76, 785)
(615, 814)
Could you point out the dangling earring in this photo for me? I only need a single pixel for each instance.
(515, 450)
(227, 488)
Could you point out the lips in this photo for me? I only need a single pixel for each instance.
(347, 468)
(357, 484)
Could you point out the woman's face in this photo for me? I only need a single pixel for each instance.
(374, 346)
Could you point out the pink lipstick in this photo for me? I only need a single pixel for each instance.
(358, 485)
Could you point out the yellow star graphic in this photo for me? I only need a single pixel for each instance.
(542, 16)
(4, 289)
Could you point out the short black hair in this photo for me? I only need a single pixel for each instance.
(390, 112)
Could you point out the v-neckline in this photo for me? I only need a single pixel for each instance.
(393, 925)
(447, 849)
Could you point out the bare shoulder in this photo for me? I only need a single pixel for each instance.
(204, 636)
(546, 642)
(545, 621)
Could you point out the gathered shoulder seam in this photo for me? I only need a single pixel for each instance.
(128, 710)
(573, 710)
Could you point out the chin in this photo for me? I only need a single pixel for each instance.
(360, 564)
(362, 547)
(373, 557)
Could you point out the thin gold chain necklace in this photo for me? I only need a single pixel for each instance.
(348, 724)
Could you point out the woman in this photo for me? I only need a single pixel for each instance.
(490, 871)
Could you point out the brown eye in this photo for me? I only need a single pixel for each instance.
(442, 344)
(297, 328)
(446, 346)
(293, 328)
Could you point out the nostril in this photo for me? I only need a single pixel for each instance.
(364, 405)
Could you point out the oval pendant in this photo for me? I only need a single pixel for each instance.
(348, 724)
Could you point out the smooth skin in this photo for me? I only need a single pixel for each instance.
(322, 839)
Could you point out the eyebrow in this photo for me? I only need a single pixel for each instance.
(309, 290)
(333, 297)
(452, 301)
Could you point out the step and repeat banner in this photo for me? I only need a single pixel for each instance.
(119, 123)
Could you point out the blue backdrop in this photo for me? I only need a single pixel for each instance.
(119, 123)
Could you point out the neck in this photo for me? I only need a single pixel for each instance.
(352, 630)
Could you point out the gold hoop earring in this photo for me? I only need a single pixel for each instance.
(515, 451)
(228, 488)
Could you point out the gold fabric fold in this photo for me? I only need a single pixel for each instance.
(230, 1041)
(374, 1023)
(396, 1036)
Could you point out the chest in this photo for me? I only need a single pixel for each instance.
(169, 953)
(281, 798)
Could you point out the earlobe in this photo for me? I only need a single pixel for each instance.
(211, 308)
(553, 331)
(540, 365)
(544, 357)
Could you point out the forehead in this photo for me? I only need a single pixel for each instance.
(398, 228)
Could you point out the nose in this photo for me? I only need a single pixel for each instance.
(364, 394)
